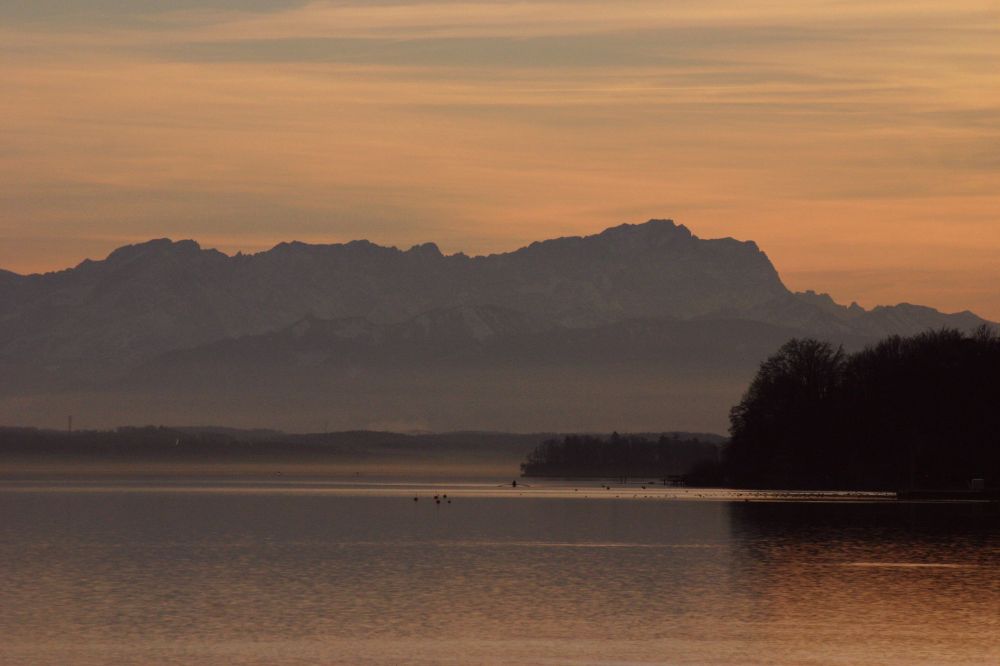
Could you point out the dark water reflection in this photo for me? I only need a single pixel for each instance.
(876, 583)
(275, 576)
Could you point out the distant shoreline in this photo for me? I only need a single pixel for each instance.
(41, 467)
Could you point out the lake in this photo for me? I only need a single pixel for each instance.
(354, 571)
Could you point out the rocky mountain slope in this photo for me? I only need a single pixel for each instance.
(168, 316)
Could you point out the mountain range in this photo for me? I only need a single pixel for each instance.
(642, 326)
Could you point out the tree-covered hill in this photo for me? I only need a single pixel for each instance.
(907, 412)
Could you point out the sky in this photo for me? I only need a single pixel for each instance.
(858, 142)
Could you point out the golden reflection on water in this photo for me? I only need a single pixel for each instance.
(202, 572)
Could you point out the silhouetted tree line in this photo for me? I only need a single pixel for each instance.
(618, 456)
(908, 412)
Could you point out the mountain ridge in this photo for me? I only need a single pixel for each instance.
(641, 296)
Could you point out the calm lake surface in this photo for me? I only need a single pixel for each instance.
(202, 571)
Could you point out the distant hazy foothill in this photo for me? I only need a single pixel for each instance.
(187, 450)
(641, 327)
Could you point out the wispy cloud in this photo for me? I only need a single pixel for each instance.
(423, 20)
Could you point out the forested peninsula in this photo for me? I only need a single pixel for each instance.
(666, 458)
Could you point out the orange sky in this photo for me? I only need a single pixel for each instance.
(857, 142)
